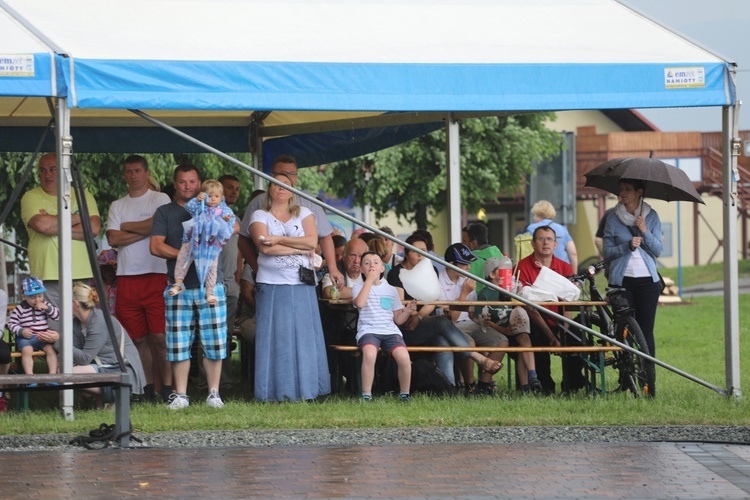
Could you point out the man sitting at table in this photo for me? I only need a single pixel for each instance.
(340, 326)
(349, 267)
(543, 243)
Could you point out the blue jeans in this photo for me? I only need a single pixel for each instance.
(439, 331)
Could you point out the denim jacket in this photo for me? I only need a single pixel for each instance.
(617, 238)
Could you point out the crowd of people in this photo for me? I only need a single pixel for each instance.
(188, 268)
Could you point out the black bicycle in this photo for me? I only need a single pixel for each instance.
(636, 374)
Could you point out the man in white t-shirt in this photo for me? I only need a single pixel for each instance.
(142, 277)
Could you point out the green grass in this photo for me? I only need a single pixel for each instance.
(689, 336)
(699, 275)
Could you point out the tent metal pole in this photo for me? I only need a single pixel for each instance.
(731, 144)
(453, 168)
(65, 269)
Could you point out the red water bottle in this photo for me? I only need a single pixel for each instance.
(505, 273)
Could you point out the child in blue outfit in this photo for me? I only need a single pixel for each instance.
(380, 311)
(212, 225)
(28, 319)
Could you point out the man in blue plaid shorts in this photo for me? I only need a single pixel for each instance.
(189, 311)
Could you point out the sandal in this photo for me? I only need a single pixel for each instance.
(212, 299)
(176, 289)
(491, 366)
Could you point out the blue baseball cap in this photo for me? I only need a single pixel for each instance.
(32, 286)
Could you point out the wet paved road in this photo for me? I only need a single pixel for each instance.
(559, 470)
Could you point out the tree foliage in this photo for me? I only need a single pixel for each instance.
(102, 176)
(497, 154)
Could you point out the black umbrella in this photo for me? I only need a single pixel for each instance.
(663, 181)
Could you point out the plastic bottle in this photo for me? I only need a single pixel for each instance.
(484, 318)
(505, 272)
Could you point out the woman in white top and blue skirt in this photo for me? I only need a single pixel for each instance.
(290, 353)
(633, 237)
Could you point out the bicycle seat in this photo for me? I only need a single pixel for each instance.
(612, 290)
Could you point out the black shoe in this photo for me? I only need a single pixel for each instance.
(484, 389)
(535, 385)
(166, 393)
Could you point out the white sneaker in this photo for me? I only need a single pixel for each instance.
(214, 400)
(178, 402)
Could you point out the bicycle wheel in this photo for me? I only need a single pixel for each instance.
(637, 374)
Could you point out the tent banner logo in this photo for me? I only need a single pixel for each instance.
(685, 78)
(16, 65)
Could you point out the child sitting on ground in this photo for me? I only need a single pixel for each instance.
(28, 319)
(212, 225)
(380, 310)
(513, 322)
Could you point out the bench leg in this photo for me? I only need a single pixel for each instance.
(509, 364)
(122, 411)
(603, 376)
(22, 401)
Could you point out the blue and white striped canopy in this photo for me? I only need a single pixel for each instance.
(363, 55)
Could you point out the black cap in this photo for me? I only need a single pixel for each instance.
(458, 253)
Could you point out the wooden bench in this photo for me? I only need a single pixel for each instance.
(35, 354)
(121, 381)
(597, 367)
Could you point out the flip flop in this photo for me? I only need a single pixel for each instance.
(212, 299)
(491, 366)
(176, 289)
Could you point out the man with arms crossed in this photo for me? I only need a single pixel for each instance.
(39, 215)
(142, 276)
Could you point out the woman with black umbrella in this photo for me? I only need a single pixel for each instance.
(633, 237)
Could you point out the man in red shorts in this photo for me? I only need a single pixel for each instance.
(142, 278)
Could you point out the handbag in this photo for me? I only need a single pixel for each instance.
(306, 275)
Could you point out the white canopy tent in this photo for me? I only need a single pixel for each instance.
(277, 68)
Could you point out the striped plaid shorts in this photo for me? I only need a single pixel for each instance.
(188, 312)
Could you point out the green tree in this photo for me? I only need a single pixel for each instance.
(497, 154)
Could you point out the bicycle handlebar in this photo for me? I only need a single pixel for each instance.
(592, 270)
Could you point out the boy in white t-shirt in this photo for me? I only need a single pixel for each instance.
(380, 311)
